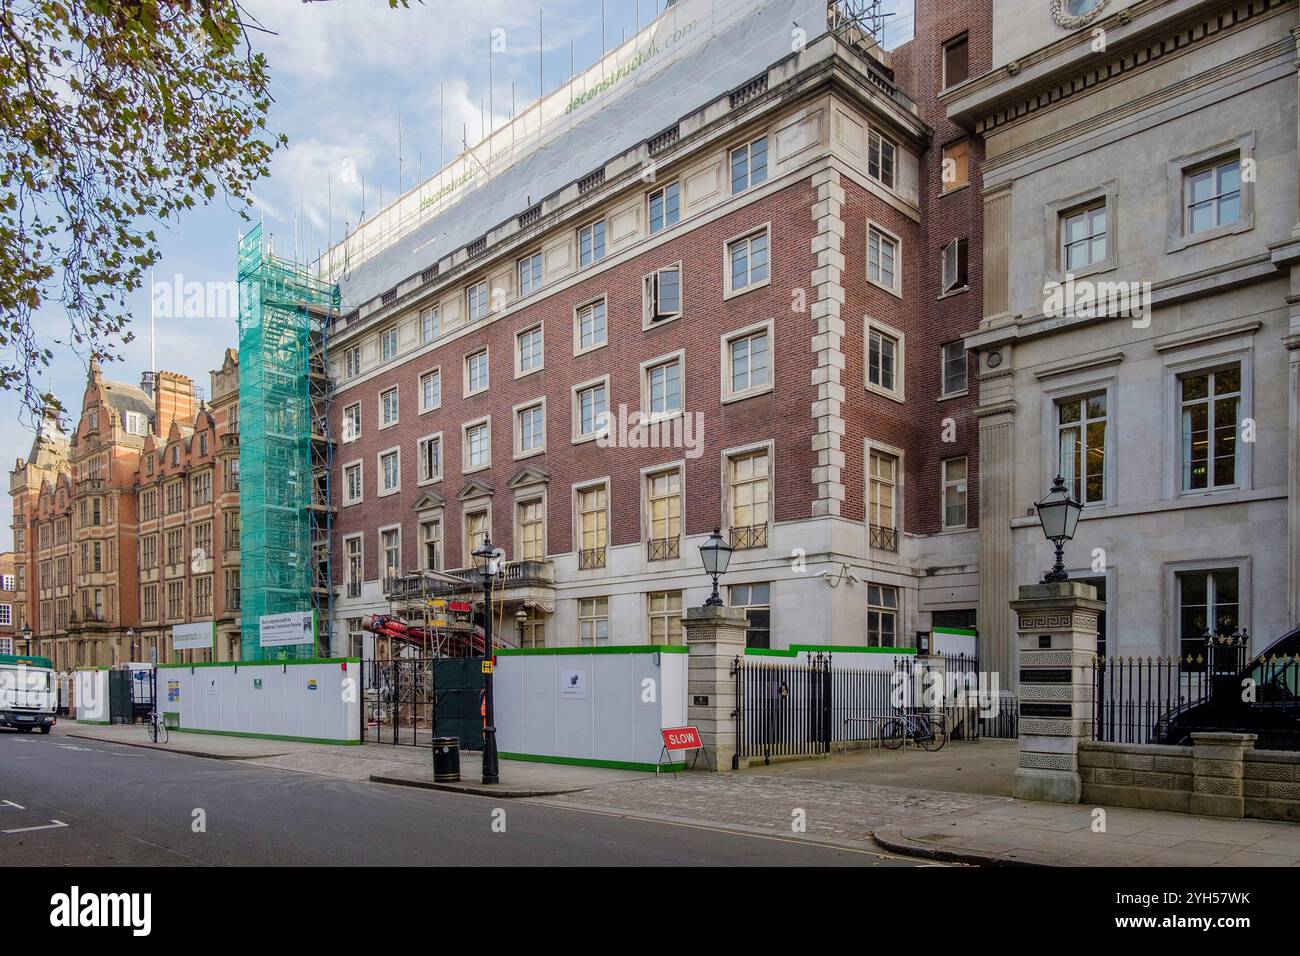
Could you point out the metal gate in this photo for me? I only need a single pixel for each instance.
(411, 700)
(782, 707)
(130, 695)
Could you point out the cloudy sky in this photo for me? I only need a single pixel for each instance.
(344, 74)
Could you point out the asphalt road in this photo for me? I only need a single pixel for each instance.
(73, 802)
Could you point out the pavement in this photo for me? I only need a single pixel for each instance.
(953, 806)
(1022, 833)
(376, 763)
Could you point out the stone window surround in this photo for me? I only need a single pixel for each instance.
(523, 496)
(762, 229)
(579, 436)
(1241, 563)
(436, 370)
(419, 453)
(647, 320)
(899, 392)
(360, 463)
(487, 376)
(575, 516)
(517, 432)
(465, 468)
(578, 347)
(897, 288)
(347, 567)
(651, 471)
(471, 506)
(652, 418)
(745, 554)
(397, 394)
(1054, 213)
(1103, 376)
(342, 427)
(379, 473)
(724, 346)
(900, 497)
(943, 499)
(1197, 355)
(539, 327)
(383, 557)
(1177, 168)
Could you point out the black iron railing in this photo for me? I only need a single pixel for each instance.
(1135, 697)
(885, 539)
(749, 536)
(661, 549)
(794, 707)
(590, 558)
(1214, 688)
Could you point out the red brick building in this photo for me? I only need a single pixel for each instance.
(98, 514)
(777, 281)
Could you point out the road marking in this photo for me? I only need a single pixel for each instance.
(12, 804)
(776, 838)
(52, 825)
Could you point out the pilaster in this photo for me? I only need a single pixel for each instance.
(1057, 642)
(715, 637)
(827, 343)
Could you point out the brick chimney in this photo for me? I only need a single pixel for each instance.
(173, 400)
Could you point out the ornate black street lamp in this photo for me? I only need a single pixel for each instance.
(716, 555)
(1058, 513)
(488, 562)
(26, 632)
(521, 618)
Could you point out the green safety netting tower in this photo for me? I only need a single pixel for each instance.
(285, 452)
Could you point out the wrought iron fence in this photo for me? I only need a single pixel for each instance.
(1164, 700)
(794, 707)
(1134, 698)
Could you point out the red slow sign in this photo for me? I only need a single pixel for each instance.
(681, 738)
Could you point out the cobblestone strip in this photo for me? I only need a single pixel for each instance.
(832, 811)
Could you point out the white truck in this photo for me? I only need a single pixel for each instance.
(28, 695)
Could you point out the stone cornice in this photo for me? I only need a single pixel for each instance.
(1138, 37)
(1079, 364)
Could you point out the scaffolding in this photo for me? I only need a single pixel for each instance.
(285, 451)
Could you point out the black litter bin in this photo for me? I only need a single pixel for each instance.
(446, 759)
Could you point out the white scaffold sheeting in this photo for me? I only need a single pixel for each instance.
(695, 51)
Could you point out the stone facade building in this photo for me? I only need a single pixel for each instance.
(779, 269)
(1144, 146)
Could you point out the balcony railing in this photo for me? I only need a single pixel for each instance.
(886, 539)
(662, 549)
(413, 585)
(749, 536)
(591, 558)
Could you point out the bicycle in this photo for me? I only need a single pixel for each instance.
(158, 727)
(928, 730)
